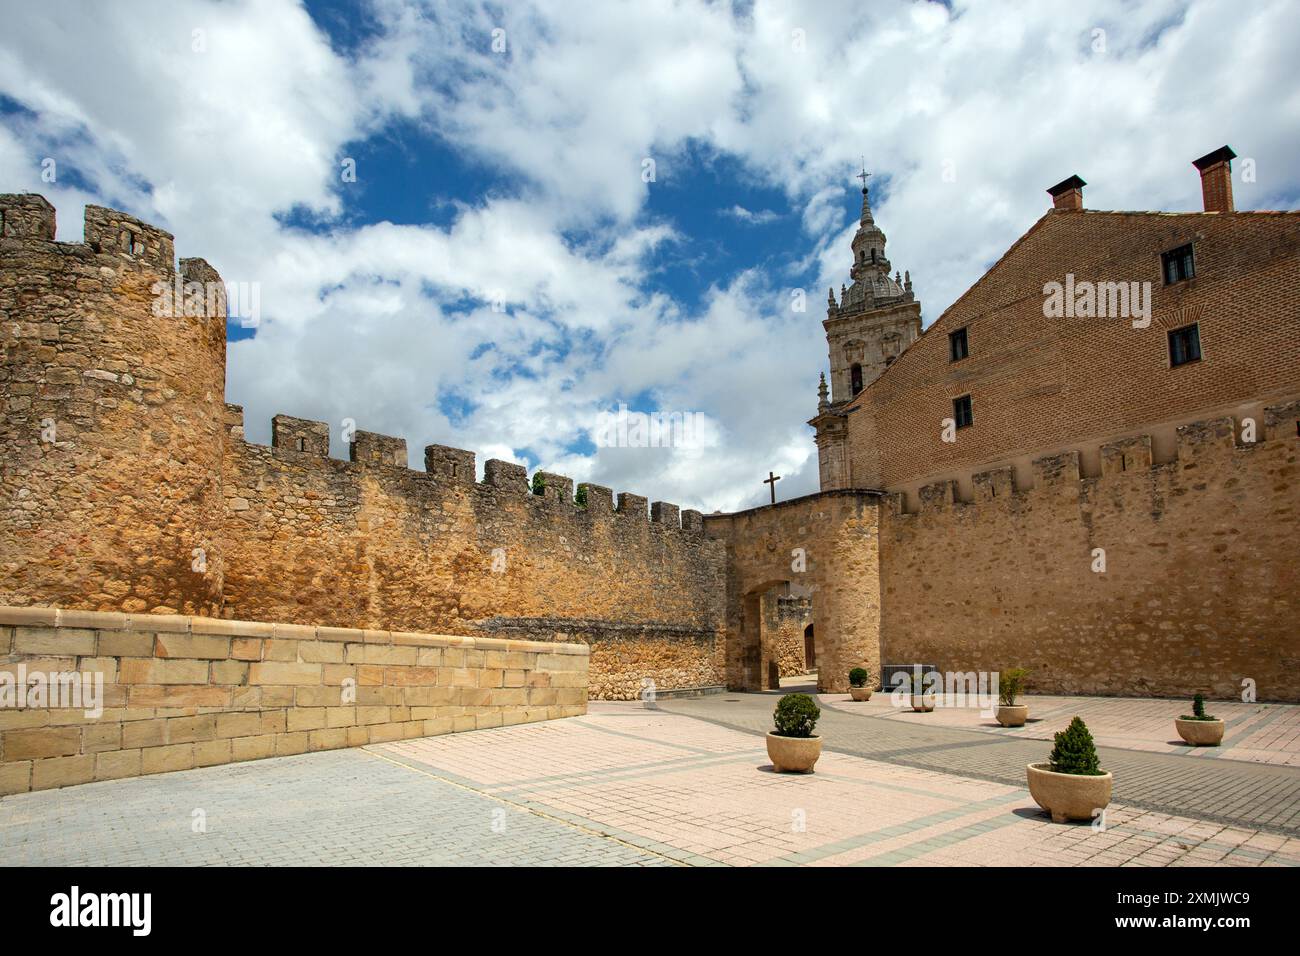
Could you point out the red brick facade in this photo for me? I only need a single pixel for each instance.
(1039, 385)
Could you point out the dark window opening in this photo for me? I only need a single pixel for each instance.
(453, 469)
(958, 345)
(855, 378)
(1178, 264)
(1184, 345)
(873, 255)
(961, 411)
(302, 444)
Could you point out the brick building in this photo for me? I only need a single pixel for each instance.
(996, 381)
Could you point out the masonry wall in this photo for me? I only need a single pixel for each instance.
(110, 419)
(827, 544)
(371, 543)
(1202, 569)
(182, 692)
(1043, 385)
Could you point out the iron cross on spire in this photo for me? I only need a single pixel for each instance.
(771, 481)
(863, 175)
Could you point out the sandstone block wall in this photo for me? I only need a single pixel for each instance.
(183, 692)
(1202, 569)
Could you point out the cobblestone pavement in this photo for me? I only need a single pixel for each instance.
(1239, 793)
(623, 785)
(338, 807)
(1259, 732)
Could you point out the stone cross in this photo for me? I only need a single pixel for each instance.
(771, 480)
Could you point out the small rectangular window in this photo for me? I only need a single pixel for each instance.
(1178, 264)
(961, 411)
(958, 345)
(1184, 345)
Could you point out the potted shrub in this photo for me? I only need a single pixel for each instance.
(922, 699)
(859, 684)
(1071, 785)
(1200, 729)
(792, 745)
(1011, 684)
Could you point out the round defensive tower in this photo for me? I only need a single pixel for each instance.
(111, 406)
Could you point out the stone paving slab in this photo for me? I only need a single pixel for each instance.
(699, 792)
(1242, 793)
(1255, 732)
(624, 785)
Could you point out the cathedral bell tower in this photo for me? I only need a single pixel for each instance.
(874, 320)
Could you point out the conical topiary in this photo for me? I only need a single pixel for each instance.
(1075, 752)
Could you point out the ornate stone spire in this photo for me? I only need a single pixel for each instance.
(869, 261)
(822, 392)
(865, 219)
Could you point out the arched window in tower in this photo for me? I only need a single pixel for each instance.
(855, 378)
(873, 255)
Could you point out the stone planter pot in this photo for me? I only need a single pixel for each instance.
(860, 693)
(1068, 796)
(1200, 733)
(793, 754)
(923, 705)
(1013, 715)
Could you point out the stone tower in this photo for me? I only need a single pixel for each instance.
(875, 319)
(111, 411)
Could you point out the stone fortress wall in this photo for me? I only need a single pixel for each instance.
(126, 486)
(1200, 581)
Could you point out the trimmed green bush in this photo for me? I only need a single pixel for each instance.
(796, 715)
(858, 677)
(1075, 752)
(581, 496)
(539, 483)
(1198, 710)
(1011, 684)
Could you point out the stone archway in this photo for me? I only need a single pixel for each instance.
(827, 544)
(759, 669)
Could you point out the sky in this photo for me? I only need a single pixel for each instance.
(492, 225)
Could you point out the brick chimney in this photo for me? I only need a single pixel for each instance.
(1216, 179)
(1068, 193)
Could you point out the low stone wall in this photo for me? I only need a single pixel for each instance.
(183, 692)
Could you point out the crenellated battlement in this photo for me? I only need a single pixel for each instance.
(1121, 461)
(300, 440)
(31, 217)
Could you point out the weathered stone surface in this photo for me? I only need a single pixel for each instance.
(170, 713)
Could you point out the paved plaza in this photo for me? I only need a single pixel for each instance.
(686, 782)
(1256, 732)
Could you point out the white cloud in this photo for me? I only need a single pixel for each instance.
(759, 218)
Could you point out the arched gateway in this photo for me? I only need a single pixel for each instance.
(827, 543)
